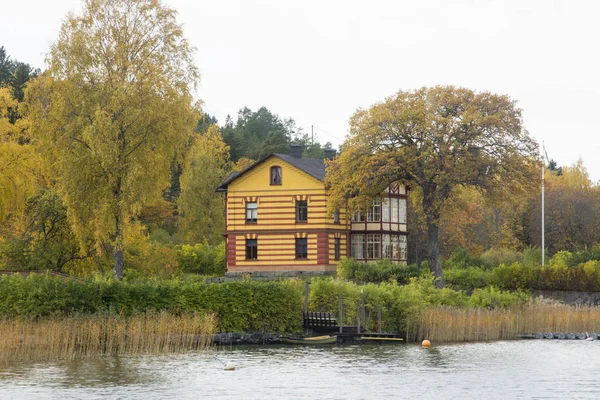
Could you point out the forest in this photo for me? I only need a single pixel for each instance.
(118, 175)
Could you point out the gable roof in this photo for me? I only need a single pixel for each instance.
(314, 167)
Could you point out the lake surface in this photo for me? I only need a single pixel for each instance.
(535, 369)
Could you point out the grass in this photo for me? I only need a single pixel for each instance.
(452, 324)
(72, 337)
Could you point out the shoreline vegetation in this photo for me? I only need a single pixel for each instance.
(46, 317)
(72, 337)
(452, 324)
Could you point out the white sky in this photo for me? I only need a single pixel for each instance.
(318, 61)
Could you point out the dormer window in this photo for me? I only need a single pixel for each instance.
(276, 175)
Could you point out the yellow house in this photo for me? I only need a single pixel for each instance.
(276, 220)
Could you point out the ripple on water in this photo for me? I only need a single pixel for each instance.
(519, 369)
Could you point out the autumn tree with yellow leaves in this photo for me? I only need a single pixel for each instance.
(437, 139)
(112, 110)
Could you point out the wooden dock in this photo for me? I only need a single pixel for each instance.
(325, 323)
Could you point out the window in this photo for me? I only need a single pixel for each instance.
(395, 247)
(385, 209)
(374, 213)
(251, 249)
(402, 240)
(336, 248)
(386, 246)
(301, 248)
(402, 216)
(373, 245)
(336, 216)
(275, 175)
(394, 209)
(358, 217)
(358, 246)
(251, 212)
(301, 211)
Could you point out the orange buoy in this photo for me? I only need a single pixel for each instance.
(426, 343)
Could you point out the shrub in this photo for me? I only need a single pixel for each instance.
(468, 278)
(583, 256)
(513, 277)
(561, 259)
(532, 257)
(492, 297)
(202, 258)
(494, 257)
(459, 258)
(380, 271)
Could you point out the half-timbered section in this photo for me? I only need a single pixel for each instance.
(380, 231)
(276, 217)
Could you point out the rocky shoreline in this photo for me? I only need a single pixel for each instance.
(233, 338)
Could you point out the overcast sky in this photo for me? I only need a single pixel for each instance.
(318, 61)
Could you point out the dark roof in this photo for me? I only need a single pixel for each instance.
(315, 167)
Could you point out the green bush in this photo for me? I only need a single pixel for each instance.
(492, 297)
(375, 272)
(580, 257)
(239, 306)
(496, 256)
(561, 259)
(202, 259)
(468, 278)
(459, 259)
(513, 277)
(532, 257)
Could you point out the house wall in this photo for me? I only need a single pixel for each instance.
(276, 228)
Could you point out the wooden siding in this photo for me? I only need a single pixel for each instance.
(276, 228)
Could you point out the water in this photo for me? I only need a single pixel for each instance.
(536, 369)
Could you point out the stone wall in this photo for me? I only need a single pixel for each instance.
(569, 297)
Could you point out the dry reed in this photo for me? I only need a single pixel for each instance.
(450, 324)
(72, 337)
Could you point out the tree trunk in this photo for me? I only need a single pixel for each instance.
(118, 251)
(433, 253)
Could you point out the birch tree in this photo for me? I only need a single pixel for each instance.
(206, 166)
(112, 110)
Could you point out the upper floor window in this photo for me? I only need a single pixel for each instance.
(374, 213)
(251, 212)
(301, 248)
(357, 216)
(402, 215)
(336, 216)
(275, 175)
(301, 211)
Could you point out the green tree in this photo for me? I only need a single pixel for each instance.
(256, 134)
(206, 166)
(112, 110)
(437, 139)
(6, 67)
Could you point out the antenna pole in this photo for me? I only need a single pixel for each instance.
(543, 231)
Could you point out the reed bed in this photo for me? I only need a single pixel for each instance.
(452, 324)
(73, 337)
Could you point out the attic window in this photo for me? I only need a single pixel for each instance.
(275, 175)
